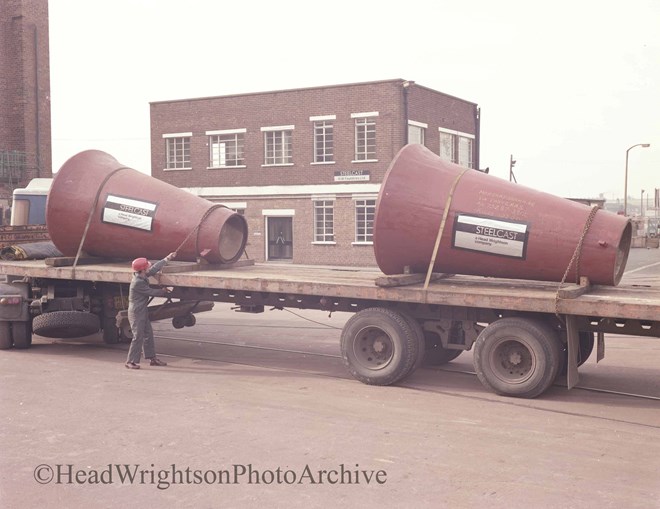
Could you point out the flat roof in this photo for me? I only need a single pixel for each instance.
(364, 83)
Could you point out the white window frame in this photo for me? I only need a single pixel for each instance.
(418, 127)
(360, 202)
(324, 123)
(176, 163)
(237, 206)
(460, 143)
(465, 151)
(321, 204)
(365, 124)
(285, 132)
(223, 138)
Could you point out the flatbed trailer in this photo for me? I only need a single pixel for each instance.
(525, 333)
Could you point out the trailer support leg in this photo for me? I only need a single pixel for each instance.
(600, 346)
(573, 338)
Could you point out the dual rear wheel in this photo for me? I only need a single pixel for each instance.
(382, 346)
(517, 356)
(514, 356)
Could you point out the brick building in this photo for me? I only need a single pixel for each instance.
(25, 138)
(304, 166)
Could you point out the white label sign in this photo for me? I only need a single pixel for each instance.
(129, 212)
(351, 175)
(489, 235)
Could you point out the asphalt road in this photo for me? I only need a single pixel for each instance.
(258, 411)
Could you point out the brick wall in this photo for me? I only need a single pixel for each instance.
(25, 87)
(440, 110)
(294, 107)
(254, 111)
(342, 253)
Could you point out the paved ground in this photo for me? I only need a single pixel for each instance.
(229, 415)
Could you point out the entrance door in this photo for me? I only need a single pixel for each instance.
(280, 238)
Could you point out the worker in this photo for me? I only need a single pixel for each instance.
(138, 314)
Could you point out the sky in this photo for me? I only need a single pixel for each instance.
(565, 87)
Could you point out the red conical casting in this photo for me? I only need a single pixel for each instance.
(493, 227)
(135, 215)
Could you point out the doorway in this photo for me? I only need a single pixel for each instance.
(280, 238)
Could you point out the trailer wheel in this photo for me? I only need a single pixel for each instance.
(179, 322)
(66, 324)
(379, 346)
(190, 320)
(436, 354)
(5, 336)
(517, 357)
(21, 333)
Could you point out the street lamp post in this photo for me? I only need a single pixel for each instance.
(625, 192)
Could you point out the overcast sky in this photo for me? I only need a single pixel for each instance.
(565, 86)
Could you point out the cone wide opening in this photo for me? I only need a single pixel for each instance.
(232, 239)
(622, 252)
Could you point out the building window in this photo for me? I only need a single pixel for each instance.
(278, 147)
(465, 151)
(324, 221)
(238, 207)
(365, 136)
(447, 142)
(178, 152)
(416, 132)
(365, 210)
(226, 148)
(323, 141)
(457, 147)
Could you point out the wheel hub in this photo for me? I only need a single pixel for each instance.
(515, 358)
(378, 346)
(374, 349)
(512, 362)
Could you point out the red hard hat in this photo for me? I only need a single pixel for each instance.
(140, 264)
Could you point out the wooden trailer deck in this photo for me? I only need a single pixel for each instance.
(632, 301)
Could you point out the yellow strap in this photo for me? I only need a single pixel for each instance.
(442, 227)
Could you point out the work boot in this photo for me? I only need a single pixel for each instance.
(132, 365)
(155, 361)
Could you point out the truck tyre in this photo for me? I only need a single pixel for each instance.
(5, 336)
(436, 354)
(517, 357)
(179, 322)
(21, 333)
(419, 335)
(379, 346)
(190, 320)
(66, 324)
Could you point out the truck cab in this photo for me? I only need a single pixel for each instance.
(29, 203)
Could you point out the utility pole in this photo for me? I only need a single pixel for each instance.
(512, 163)
(641, 205)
